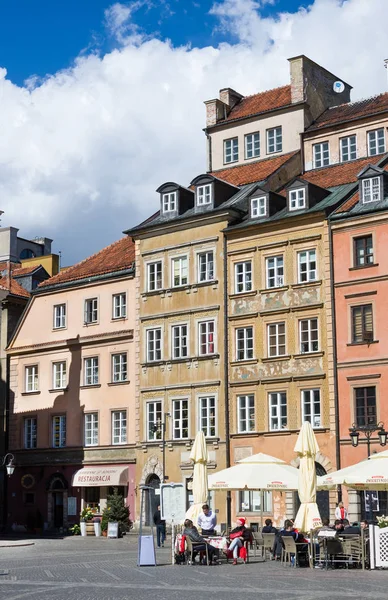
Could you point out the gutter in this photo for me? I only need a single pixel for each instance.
(83, 281)
(226, 377)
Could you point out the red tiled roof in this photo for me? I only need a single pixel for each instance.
(350, 111)
(117, 257)
(13, 287)
(259, 103)
(24, 270)
(341, 173)
(350, 202)
(256, 171)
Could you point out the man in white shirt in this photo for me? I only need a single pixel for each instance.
(207, 520)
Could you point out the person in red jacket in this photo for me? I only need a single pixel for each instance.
(237, 537)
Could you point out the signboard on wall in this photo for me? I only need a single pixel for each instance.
(173, 502)
(71, 506)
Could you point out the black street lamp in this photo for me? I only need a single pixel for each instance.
(368, 431)
(160, 427)
(9, 466)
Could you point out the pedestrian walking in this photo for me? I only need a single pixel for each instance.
(160, 528)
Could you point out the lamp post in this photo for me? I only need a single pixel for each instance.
(160, 427)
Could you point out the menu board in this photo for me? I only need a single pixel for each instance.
(173, 502)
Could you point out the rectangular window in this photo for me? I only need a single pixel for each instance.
(231, 150)
(311, 407)
(277, 411)
(154, 344)
(276, 339)
(321, 155)
(244, 343)
(154, 276)
(366, 413)
(179, 341)
(243, 277)
(59, 431)
(258, 207)
(363, 251)
(91, 429)
(91, 376)
(307, 266)
(246, 413)
(274, 140)
(251, 501)
(154, 421)
(59, 375)
(376, 142)
(362, 324)
(119, 427)
(119, 309)
(30, 433)
(205, 266)
(169, 202)
(297, 199)
(207, 415)
(204, 194)
(252, 145)
(32, 379)
(119, 367)
(91, 311)
(275, 271)
(308, 332)
(206, 338)
(348, 146)
(179, 271)
(371, 189)
(59, 316)
(180, 424)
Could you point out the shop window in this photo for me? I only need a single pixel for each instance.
(92, 496)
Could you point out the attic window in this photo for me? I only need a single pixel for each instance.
(204, 194)
(258, 207)
(297, 199)
(371, 189)
(169, 202)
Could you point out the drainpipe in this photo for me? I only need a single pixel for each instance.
(226, 378)
(209, 151)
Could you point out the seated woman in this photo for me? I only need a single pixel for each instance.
(238, 536)
(192, 532)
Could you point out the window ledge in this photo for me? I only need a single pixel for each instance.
(176, 361)
(315, 283)
(93, 385)
(362, 267)
(30, 393)
(277, 432)
(114, 319)
(126, 382)
(363, 343)
(249, 361)
(276, 358)
(179, 288)
(91, 324)
(59, 328)
(247, 434)
(242, 294)
(280, 288)
(56, 390)
(309, 354)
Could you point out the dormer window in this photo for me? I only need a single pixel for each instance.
(204, 195)
(371, 189)
(169, 202)
(258, 207)
(297, 199)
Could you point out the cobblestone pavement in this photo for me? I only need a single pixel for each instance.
(101, 569)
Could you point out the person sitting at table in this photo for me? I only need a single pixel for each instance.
(238, 536)
(268, 527)
(191, 532)
(364, 525)
(338, 526)
(351, 529)
(326, 526)
(207, 520)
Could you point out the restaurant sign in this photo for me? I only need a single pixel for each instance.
(100, 476)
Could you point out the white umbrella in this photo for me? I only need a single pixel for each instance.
(369, 474)
(200, 458)
(306, 446)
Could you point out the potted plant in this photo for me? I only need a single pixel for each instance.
(76, 529)
(97, 526)
(86, 523)
(116, 512)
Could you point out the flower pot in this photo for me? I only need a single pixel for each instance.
(89, 528)
(104, 533)
(83, 527)
(97, 529)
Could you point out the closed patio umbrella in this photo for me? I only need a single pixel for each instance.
(199, 456)
(306, 446)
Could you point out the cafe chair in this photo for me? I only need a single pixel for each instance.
(191, 550)
(290, 548)
(268, 543)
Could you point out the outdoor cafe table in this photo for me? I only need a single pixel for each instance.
(219, 542)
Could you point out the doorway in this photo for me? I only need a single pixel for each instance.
(58, 509)
(152, 498)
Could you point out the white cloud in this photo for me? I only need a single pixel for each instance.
(82, 152)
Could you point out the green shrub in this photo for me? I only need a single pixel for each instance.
(116, 511)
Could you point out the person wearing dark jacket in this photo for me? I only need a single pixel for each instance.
(160, 528)
(268, 527)
(192, 532)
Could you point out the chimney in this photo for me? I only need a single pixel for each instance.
(215, 111)
(230, 97)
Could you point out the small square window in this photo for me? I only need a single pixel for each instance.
(258, 207)
(169, 202)
(371, 189)
(252, 145)
(321, 155)
(204, 195)
(274, 140)
(231, 150)
(376, 142)
(348, 146)
(297, 199)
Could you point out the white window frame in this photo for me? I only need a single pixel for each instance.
(208, 273)
(91, 370)
(276, 416)
(154, 344)
(273, 140)
(59, 316)
(273, 334)
(154, 276)
(307, 397)
(244, 343)
(278, 271)
(252, 145)
(207, 415)
(177, 422)
(374, 139)
(93, 304)
(169, 202)
(61, 431)
(310, 274)
(245, 408)
(30, 427)
(321, 155)
(309, 331)
(243, 277)
(157, 415)
(205, 194)
(119, 367)
(259, 207)
(119, 305)
(207, 329)
(91, 429)
(119, 435)
(348, 146)
(31, 378)
(180, 333)
(59, 373)
(297, 199)
(183, 262)
(371, 189)
(230, 150)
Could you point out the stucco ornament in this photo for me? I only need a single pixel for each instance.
(151, 467)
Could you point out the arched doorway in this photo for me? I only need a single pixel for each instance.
(57, 487)
(152, 498)
(323, 500)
